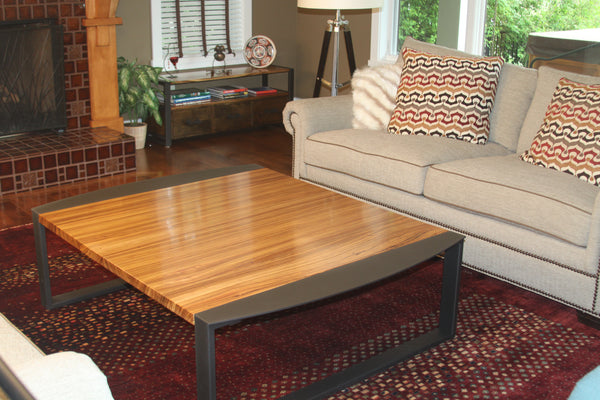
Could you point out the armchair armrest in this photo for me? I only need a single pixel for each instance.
(305, 117)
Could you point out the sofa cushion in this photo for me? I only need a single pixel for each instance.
(374, 95)
(515, 90)
(569, 139)
(514, 93)
(64, 376)
(507, 188)
(445, 96)
(400, 162)
(546, 83)
(513, 98)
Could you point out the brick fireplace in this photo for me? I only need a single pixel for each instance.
(69, 13)
(36, 161)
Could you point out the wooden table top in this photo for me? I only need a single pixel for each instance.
(199, 245)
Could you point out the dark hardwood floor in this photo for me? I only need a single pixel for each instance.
(270, 147)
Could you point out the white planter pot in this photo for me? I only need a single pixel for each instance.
(139, 133)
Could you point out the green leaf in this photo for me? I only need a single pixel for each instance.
(124, 78)
(149, 99)
(143, 79)
(156, 116)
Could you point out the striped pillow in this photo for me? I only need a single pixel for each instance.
(374, 92)
(569, 138)
(445, 96)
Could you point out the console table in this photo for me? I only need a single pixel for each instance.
(219, 115)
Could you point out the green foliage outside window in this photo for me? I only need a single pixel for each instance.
(508, 22)
(418, 19)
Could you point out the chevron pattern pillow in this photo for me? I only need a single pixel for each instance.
(569, 138)
(445, 96)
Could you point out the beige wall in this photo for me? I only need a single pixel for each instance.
(134, 36)
(297, 33)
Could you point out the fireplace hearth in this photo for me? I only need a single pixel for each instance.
(30, 162)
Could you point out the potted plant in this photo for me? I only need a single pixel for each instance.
(138, 88)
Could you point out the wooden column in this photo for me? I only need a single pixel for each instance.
(100, 23)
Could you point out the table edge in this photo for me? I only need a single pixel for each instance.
(146, 185)
(340, 280)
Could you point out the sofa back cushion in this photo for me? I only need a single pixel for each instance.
(515, 91)
(513, 98)
(514, 94)
(546, 84)
(446, 96)
(569, 138)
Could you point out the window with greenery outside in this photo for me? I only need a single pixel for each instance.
(418, 19)
(508, 22)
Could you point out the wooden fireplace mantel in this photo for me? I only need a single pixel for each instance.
(100, 23)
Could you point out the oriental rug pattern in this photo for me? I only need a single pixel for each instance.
(510, 343)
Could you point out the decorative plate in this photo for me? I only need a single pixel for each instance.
(260, 51)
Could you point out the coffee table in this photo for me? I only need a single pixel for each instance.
(217, 247)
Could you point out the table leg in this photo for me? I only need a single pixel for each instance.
(206, 376)
(450, 290)
(206, 324)
(48, 300)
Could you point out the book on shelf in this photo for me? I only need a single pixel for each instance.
(228, 91)
(184, 94)
(192, 100)
(260, 91)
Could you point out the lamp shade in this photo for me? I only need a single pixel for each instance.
(340, 4)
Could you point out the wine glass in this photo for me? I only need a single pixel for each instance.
(174, 60)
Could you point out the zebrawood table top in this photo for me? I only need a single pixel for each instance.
(195, 246)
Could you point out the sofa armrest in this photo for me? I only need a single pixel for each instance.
(63, 376)
(305, 117)
(593, 247)
(10, 386)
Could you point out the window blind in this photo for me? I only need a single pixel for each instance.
(195, 27)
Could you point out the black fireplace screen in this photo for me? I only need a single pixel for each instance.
(32, 79)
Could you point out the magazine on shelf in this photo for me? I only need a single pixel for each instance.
(260, 91)
(228, 91)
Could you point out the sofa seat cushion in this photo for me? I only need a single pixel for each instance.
(397, 161)
(507, 188)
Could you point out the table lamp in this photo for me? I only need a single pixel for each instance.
(335, 25)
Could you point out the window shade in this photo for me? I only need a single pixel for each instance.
(200, 31)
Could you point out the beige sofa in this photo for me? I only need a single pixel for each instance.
(528, 225)
(27, 373)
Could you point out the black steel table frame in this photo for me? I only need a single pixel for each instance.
(309, 290)
(329, 284)
(51, 301)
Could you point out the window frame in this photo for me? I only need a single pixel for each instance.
(191, 62)
(384, 30)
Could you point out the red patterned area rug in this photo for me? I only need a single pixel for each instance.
(510, 343)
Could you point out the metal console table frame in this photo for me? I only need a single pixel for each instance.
(211, 75)
(340, 280)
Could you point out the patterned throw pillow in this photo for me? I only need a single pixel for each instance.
(569, 138)
(445, 96)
